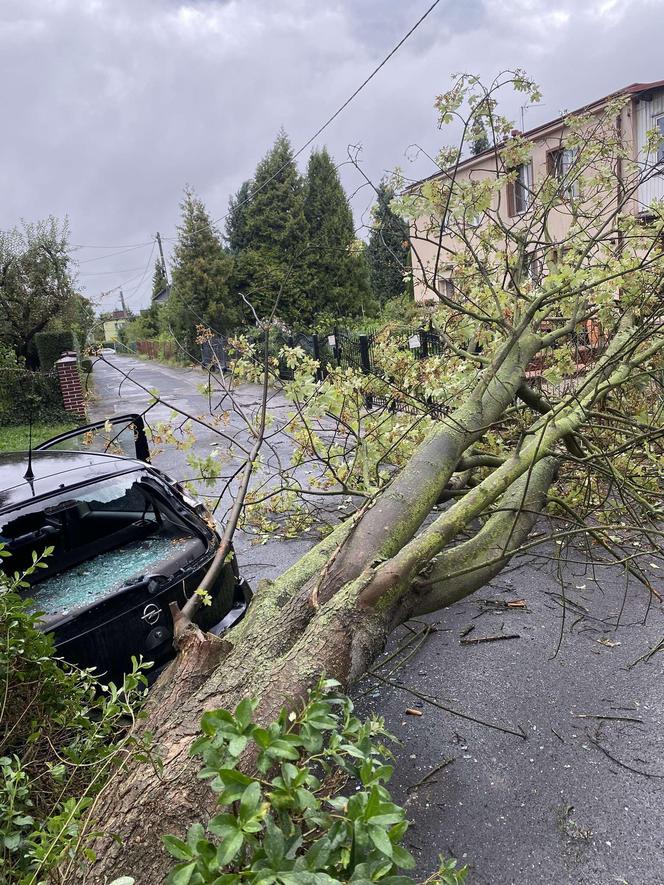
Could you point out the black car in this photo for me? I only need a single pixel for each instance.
(127, 540)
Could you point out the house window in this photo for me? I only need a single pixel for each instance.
(660, 150)
(560, 165)
(446, 287)
(534, 268)
(519, 191)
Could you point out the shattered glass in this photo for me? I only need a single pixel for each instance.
(92, 580)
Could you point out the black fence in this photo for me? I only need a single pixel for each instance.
(214, 354)
(355, 351)
(350, 350)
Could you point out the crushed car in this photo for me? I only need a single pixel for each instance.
(127, 541)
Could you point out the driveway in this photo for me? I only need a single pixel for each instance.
(579, 800)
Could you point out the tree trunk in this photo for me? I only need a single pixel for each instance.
(286, 642)
(277, 654)
(332, 612)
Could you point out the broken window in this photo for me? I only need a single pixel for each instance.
(105, 536)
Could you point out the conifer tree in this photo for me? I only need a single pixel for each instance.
(388, 250)
(236, 222)
(480, 141)
(202, 269)
(271, 264)
(338, 275)
(159, 279)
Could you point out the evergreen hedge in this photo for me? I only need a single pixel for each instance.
(50, 346)
(25, 395)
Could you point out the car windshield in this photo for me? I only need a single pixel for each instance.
(105, 536)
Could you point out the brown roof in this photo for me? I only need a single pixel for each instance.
(633, 89)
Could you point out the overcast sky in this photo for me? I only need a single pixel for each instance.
(110, 106)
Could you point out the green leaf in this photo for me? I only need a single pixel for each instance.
(396, 880)
(273, 843)
(303, 878)
(244, 712)
(381, 840)
(229, 848)
(282, 750)
(176, 847)
(182, 874)
(195, 833)
(223, 825)
(402, 858)
(237, 744)
(250, 799)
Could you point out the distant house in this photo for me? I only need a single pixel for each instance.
(162, 296)
(434, 252)
(113, 322)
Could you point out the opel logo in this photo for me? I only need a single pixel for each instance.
(151, 613)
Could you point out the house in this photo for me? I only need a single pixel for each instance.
(113, 322)
(433, 251)
(162, 296)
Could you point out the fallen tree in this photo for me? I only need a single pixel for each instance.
(498, 454)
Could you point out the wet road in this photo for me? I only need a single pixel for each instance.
(181, 388)
(581, 800)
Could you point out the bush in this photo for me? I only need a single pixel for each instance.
(290, 824)
(30, 396)
(50, 346)
(61, 734)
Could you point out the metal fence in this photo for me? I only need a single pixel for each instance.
(344, 349)
(357, 351)
(214, 354)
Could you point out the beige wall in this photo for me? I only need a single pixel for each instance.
(426, 242)
(112, 328)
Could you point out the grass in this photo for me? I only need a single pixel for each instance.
(15, 439)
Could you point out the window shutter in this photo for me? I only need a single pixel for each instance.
(551, 163)
(511, 210)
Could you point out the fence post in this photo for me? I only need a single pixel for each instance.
(337, 346)
(365, 363)
(319, 371)
(424, 345)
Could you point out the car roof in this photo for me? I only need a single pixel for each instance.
(54, 471)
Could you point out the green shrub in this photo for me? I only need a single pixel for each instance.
(50, 346)
(61, 735)
(290, 824)
(30, 396)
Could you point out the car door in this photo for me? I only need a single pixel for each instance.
(122, 435)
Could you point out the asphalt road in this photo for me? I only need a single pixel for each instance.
(114, 394)
(580, 799)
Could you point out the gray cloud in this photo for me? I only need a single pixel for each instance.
(110, 106)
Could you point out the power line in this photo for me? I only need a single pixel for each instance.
(102, 273)
(125, 246)
(147, 265)
(333, 117)
(110, 254)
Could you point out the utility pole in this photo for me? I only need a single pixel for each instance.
(161, 253)
(122, 302)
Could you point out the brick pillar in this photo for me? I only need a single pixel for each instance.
(70, 384)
